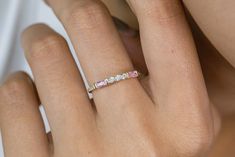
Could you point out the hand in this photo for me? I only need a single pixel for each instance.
(175, 118)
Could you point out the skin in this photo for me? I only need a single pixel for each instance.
(212, 47)
(171, 116)
(219, 75)
(216, 20)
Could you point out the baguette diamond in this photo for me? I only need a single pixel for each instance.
(100, 84)
(133, 74)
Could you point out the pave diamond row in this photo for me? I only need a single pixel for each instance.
(114, 79)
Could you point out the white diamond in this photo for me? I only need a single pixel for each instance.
(111, 80)
(124, 76)
(118, 77)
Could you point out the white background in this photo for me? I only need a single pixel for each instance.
(15, 16)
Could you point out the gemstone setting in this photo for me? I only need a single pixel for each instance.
(133, 74)
(100, 84)
(125, 76)
(118, 77)
(113, 79)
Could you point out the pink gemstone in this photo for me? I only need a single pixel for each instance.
(101, 84)
(133, 74)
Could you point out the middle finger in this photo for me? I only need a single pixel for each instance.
(99, 49)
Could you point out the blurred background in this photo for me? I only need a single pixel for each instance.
(15, 16)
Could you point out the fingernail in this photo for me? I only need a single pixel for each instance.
(124, 28)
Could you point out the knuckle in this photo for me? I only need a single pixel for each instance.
(203, 141)
(85, 15)
(15, 83)
(161, 10)
(46, 46)
(198, 147)
(197, 143)
(11, 90)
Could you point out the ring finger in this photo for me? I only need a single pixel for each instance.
(99, 49)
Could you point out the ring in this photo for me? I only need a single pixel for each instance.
(113, 79)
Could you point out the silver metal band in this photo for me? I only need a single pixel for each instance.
(113, 79)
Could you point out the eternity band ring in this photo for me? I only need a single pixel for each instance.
(113, 79)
